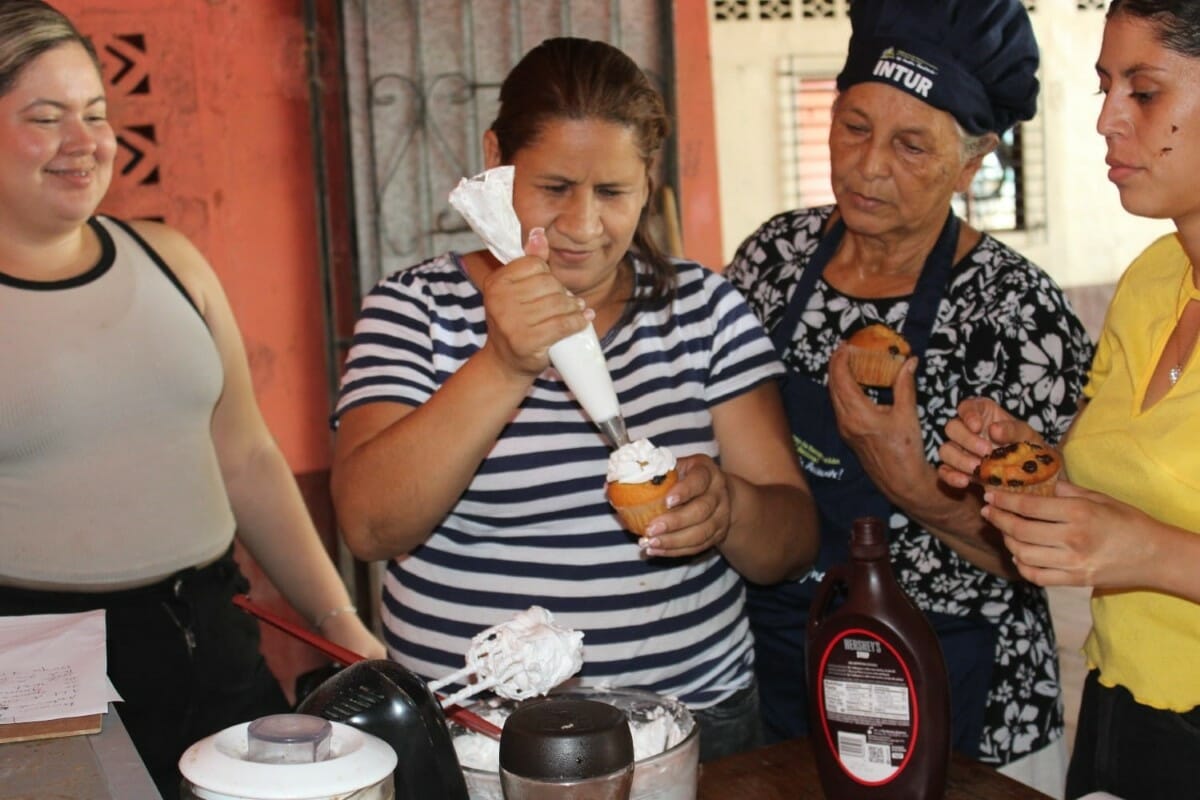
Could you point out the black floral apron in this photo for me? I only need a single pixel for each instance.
(843, 492)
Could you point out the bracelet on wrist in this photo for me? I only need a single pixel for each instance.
(333, 612)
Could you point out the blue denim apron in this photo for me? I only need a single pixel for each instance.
(843, 492)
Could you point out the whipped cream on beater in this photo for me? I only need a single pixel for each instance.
(639, 462)
(527, 655)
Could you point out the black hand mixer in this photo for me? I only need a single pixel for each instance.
(389, 701)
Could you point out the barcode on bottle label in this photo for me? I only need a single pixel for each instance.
(851, 745)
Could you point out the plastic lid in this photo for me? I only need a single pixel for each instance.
(289, 739)
(219, 767)
(565, 739)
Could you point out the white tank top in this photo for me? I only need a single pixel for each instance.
(108, 474)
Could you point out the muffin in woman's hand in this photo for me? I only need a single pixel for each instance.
(876, 355)
(639, 477)
(1020, 467)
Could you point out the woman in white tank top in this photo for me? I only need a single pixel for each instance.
(131, 444)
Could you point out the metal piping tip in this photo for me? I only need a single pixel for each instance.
(614, 430)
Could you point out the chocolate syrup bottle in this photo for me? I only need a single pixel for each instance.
(879, 698)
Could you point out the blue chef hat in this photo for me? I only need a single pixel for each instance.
(976, 59)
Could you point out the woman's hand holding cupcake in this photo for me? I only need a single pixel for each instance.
(886, 438)
(1077, 537)
(1066, 536)
(979, 428)
(700, 511)
(678, 508)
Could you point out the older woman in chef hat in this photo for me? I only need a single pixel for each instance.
(927, 90)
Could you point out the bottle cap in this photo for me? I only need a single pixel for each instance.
(868, 538)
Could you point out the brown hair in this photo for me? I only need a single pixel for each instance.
(579, 79)
(29, 28)
(1176, 22)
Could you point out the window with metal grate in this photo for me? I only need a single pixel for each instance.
(1008, 193)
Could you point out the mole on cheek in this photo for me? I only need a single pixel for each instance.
(1174, 129)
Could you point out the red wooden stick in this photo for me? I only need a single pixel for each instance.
(331, 649)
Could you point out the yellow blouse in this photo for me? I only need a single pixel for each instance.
(1148, 642)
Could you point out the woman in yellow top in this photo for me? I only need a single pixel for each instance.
(1128, 521)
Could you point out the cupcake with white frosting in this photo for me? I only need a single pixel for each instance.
(639, 477)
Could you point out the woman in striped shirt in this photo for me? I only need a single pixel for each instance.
(463, 459)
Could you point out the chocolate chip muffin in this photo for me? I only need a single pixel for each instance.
(876, 355)
(1020, 467)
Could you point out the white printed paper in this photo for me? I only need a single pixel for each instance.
(53, 666)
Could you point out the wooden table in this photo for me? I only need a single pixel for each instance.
(788, 771)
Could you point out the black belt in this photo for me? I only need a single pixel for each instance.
(50, 601)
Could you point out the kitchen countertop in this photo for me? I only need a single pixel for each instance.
(102, 766)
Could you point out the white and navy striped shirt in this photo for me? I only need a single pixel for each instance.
(534, 527)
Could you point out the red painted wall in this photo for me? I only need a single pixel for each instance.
(221, 89)
(210, 101)
(699, 188)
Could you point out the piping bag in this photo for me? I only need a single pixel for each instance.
(485, 201)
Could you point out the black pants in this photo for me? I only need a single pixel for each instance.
(184, 659)
(1132, 750)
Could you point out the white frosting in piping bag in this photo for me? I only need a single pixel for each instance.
(485, 201)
